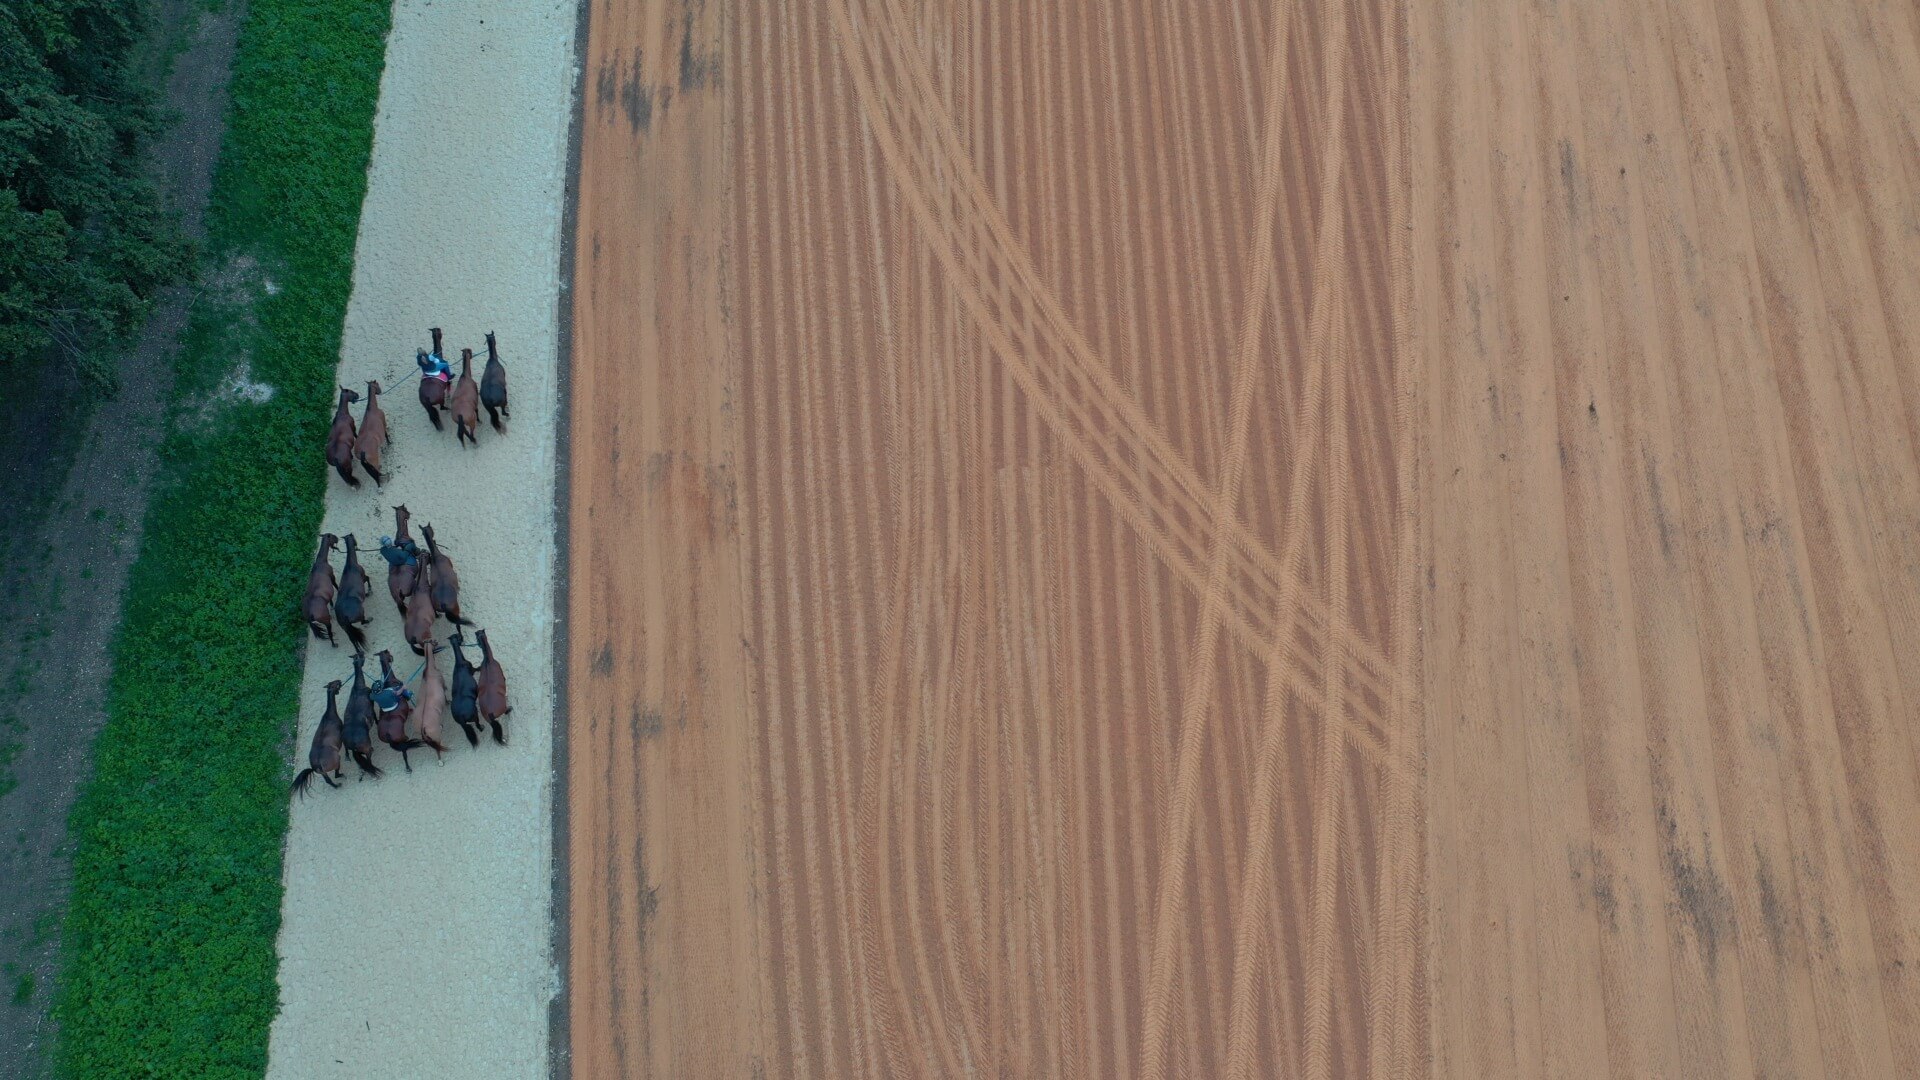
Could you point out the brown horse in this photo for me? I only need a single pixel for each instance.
(372, 438)
(417, 621)
(356, 728)
(324, 758)
(432, 707)
(401, 575)
(493, 386)
(317, 606)
(492, 697)
(392, 723)
(350, 606)
(466, 692)
(444, 582)
(433, 391)
(340, 439)
(466, 402)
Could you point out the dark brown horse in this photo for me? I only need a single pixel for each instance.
(317, 606)
(443, 581)
(401, 575)
(466, 402)
(433, 390)
(356, 729)
(493, 386)
(432, 707)
(350, 606)
(372, 438)
(466, 692)
(340, 439)
(492, 690)
(323, 760)
(392, 723)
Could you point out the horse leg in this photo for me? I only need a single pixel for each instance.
(499, 733)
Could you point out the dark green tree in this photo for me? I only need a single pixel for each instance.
(84, 243)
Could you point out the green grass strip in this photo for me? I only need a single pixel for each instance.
(169, 965)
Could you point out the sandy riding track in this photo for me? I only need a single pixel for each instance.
(414, 936)
(989, 493)
(1298, 539)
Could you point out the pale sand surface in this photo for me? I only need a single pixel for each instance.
(416, 933)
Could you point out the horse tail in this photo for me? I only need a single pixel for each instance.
(300, 782)
(367, 767)
(472, 731)
(354, 635)
(322, 629)
(345, 469)
(499, 734)
(435, 743)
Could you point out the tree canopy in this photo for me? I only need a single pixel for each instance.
(84, 242)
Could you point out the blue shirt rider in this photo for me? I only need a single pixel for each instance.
(388, 698)
(433, 366)
(407, 554)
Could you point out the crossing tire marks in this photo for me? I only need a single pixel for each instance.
(988, 550)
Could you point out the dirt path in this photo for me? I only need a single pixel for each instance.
(61, 602)
(989, 505)
(1670, 288)
(416, 928)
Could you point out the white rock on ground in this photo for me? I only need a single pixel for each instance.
(416, 933)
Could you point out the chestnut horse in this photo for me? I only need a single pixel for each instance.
(317, 606)
(341, 437)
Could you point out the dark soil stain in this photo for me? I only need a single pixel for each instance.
(626, 90)
(1772, 913)
(696, 69)
(1570, 179)
(1601, 884)
(1662, 521)
(1699, 894)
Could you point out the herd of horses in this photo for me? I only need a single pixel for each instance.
(424, 587)
(366, 441)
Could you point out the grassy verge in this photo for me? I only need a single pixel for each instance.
(169, 940)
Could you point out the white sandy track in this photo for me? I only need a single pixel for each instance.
(415, 939)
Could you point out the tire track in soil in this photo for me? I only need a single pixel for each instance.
(948, 334)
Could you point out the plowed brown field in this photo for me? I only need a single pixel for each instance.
(1230, 539)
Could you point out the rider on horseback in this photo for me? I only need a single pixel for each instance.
(433, 366)
(407, 554)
